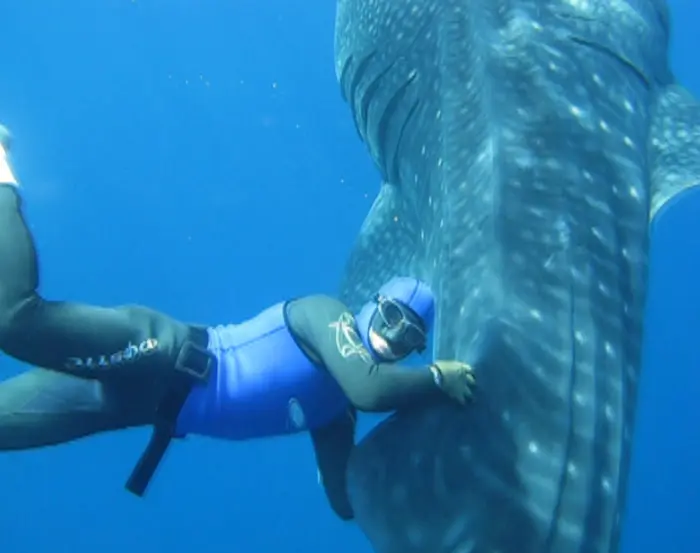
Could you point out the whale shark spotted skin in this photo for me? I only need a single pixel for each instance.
(523, 148)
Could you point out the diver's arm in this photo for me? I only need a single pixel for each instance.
(326, 331)
(333, 444)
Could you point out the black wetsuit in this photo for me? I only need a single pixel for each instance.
(113, 368)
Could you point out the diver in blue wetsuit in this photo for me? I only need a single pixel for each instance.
(301, 365)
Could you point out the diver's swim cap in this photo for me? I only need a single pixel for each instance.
(411, 292)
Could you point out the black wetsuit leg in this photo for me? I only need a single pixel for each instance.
(333, 445)
(40, 407)
(130, 351)
(83, 340)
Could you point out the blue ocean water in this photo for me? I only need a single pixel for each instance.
(197, 157)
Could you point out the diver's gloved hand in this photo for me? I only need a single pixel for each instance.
(455, 379)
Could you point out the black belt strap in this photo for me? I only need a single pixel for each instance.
(193, 366)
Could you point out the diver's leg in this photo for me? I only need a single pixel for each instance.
(41, 407)
(78, 339)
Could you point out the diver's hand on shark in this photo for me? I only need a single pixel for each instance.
(456, 379)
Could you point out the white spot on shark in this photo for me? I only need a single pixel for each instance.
(609, 349)
(296, 414)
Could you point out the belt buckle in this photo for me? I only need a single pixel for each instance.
(195, 361)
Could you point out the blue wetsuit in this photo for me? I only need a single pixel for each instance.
(263, 384)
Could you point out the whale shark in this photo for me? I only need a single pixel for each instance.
(523, 148)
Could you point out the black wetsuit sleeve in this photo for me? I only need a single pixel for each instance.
(326, 330)
(332, 445)
(78, 339)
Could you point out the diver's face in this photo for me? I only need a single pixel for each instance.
(395, 330)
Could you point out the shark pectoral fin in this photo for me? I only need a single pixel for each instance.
(384, 248)
(674, 145)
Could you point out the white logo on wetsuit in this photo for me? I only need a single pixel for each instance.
(129, 354)
(296, 414)
(347, 340)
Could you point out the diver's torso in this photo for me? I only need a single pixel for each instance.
(263, 384)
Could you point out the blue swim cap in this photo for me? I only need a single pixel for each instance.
(409, 291)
